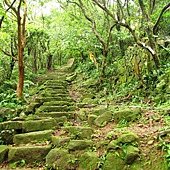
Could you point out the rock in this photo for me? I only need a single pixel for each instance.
(82, 115)
(88, 161)
(59, 141)
(58, 103)
(28, 153)
(71, 77)
(3, 153)
(60, 159)
(79, 132)
(32, 137)
(113, 162)
(91, 119)
(150, 142)
(113, 145)
(35, 125)
(128, 137)
(103, 119)
(127, 114)
(52, 109)
(79, 144)
(131, 154)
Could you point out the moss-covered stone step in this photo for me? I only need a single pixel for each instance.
(55, 82)
(60, 141)
(54, 91)
(16, 125)
(79, 132)
(33, 137)
(57, 114)
(3, 153)
(55, 109)
(56, 86)
(38, 125)
(58, 103)
(28, 153)
(58, 98)
(62, 95)
(79, 144)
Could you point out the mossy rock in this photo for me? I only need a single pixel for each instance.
(103, 119)
(79, 132)
(28, 153)
(82, 115)
(3, 153)
(127, 115)
(88, 161)
(79, 144)
(32, 137)
(58, 98)
(60, 159)
(128, 137)
(38, 125)
(91, 119)
(131, 154)
(59, 141)
(71, 77)
(113, 162)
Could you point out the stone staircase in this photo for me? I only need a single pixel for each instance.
(50, 132)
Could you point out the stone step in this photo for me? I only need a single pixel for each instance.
(49, 99)
(64, 108)
(58, 103)
(33, 137)
(38, 125)
(55, 82)
(30, 154)
(55, 95)
(55, 91)
(69, 115)
(55, 86)
(79, 132)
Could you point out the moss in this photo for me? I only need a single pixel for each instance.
(113, 162)
(60, 159)
(82, 115)
(57, 98)
(103, 119)
(59, 141)
(52, 109)
(32, 137)
(91, 119)
(36, 125)
(3, 153)
(79, 144)
(127, 114)
(79, 132)
(88, 161)
(28, 153)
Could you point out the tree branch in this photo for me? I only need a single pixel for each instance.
(155, 28)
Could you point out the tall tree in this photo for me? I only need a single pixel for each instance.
(21, 13)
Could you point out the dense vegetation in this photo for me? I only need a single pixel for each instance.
(121, 49)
